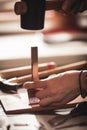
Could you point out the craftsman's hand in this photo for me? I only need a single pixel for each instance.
(73, 6)
(61, 88)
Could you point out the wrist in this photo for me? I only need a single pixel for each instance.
(83, 83)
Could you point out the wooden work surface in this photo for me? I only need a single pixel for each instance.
(20, 114)
(19, 103)
(33, 121)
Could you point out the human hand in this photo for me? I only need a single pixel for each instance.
(73, 6)
(61, 88)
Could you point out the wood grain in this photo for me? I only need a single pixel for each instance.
(73, 66)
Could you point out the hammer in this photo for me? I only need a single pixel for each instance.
(33, 12)
(8, 75)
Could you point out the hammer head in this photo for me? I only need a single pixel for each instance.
(32, 13)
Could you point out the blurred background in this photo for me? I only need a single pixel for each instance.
(63, 39)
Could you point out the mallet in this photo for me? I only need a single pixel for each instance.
(33, 12)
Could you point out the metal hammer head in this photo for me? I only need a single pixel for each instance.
(32, 13)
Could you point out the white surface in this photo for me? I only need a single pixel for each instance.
(16, 50)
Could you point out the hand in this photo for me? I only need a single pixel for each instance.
(73, 6)
(60, 89)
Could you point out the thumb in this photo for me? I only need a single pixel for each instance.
(35, 84)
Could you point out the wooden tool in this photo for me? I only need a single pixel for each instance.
(35, 76)
(33, 12)
(5, 83)
(44, 74)
(34, 63)
(25, 70)
(10, 88)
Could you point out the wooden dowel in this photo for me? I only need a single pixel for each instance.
(35, 76)
(25, 70)
(34, 64)
(43, 74)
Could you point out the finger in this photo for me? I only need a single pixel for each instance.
(71, 7)
(43, 94)
(50, 100)
(47, 91)
(27, 85)
(59, 98)
(35, 85)
(46, 101)
(82, 7)
(76, 7)
(74, 10)
(67, 5)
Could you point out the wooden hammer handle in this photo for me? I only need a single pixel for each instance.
(44, 74)
(54, 4)
(57, 4)
(21, 7)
